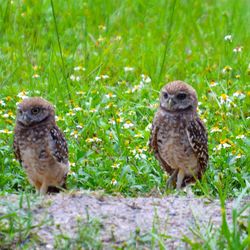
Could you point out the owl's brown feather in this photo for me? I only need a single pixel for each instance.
(197, 136)
(153, 144)
(60, 148)
(16, 149)
(40, 146)
(178, 136)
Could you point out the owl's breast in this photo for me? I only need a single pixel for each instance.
(174, 147)
(34, 152)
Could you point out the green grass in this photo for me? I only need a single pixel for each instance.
(86, 236)
(227, 236)
(17, 224)
(165, 40)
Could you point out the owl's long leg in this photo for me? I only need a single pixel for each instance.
(180, 178)
(172, 179)
(44, 188)
(37, 185)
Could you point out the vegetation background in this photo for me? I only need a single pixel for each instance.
(103, 63)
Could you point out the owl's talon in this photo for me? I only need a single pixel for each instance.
(180, 178)
(172, 180)
(44, 189)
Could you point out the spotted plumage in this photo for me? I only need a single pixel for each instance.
(40, 146)
(178, 136)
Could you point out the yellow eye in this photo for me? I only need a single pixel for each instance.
(35, 111)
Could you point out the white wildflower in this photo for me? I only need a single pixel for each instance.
(118, 38)
(213, 83)
(80, 93)
(113, 182)
(94, 139)
(225, 99)
(128, 124)
(238, 94)
(2, 103)
(238, 156)
(238, 49)
(226, 69)
(5, 131)
(74, 78)
(240, 137)
(145, 79)
(79, 126)
(74, 134)
(101, 77)
(228, 38)
(115, 165)
(77, 109)
(35, 76)
(148, 127)
(137, 87)
(110, 95)
(127, 69)
(71, 113)
(78, 68)
(139, 135)
(23, 94)
(215, 129)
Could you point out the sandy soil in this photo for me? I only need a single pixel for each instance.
(171, 215)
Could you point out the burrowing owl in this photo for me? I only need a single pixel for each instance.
(178, 137)
(40, 146)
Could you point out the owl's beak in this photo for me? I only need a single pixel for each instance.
(25, 119)
(170, 102)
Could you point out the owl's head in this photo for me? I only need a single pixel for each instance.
(178, 96)
(35, 110)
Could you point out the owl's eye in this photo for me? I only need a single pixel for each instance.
(181, 96)
(165, 95)
(35, 111)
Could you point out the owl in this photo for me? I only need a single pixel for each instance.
(178, 136)
(40, 146)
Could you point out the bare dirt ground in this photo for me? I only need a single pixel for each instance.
(120, 217)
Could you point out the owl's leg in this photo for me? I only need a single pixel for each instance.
(180, 178)
(172, 179)
(44, 188)
(37, 185)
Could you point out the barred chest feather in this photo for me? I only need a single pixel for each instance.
(174, 146)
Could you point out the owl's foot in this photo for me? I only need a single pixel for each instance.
(44, 188)
(180, 178)
(171, 181)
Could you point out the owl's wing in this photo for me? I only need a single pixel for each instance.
(154, 147)
(60, 148)
(16, 149)
(197, 136)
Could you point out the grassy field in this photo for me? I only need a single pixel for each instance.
(102, 63)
